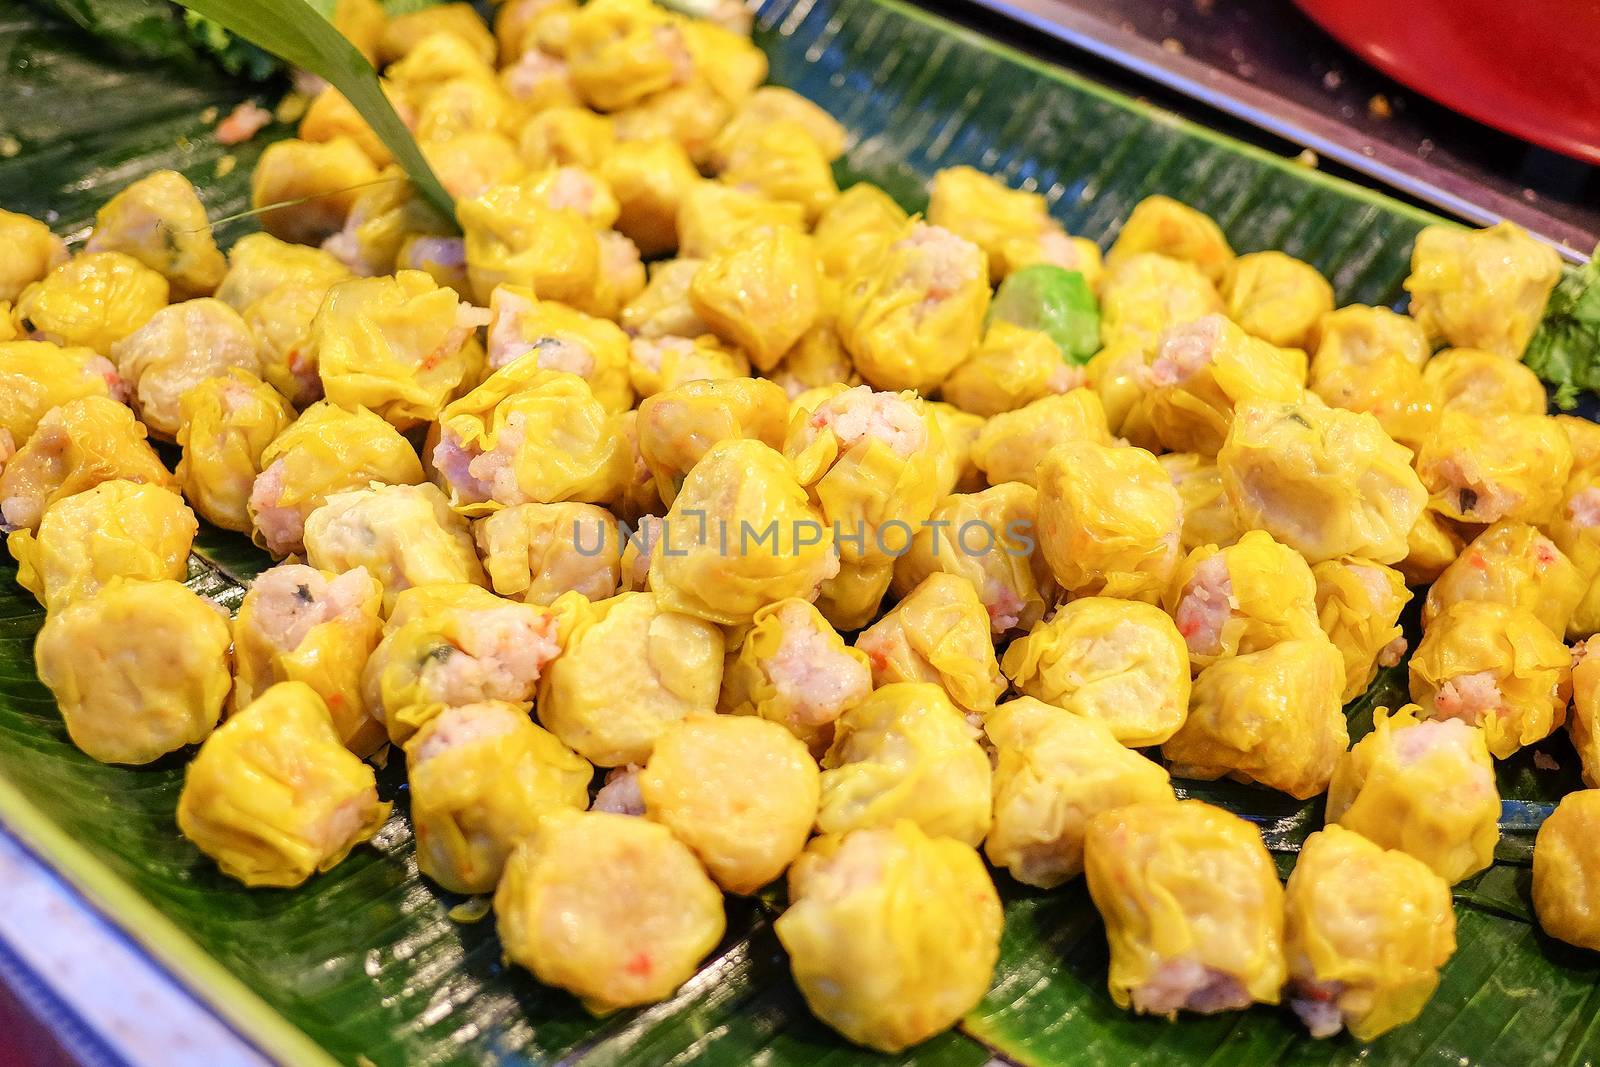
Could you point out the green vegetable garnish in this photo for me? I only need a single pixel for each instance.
(1056, 302)
(1566, 350)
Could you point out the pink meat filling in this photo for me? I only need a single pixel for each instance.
(1479, 499)
(476, 476)
(645, 538)
(467, 724)
(620, 795)
(940, 264)
(862, 413)
(1004, 606)
(1584, 508)
(500, 657)
(1185, 350)
(819, 680)
(291, 600)
(1206, 606)
(1468, 697)
(1416, 743)
(1187, 985)
(281, 527)
(571, 189)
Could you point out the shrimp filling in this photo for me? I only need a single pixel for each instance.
(534, 70)
(293, 599)
(1206, 606)
(282, 527)
(939, 266)
(620, 795)
(468, 724)
(1469, 697)
(477, 476)
(1317, 1005)
(1584, 508)
(862, 413)
(500, 657)
(814, 678)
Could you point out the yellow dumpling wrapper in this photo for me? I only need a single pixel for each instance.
(1511, 563)
(528, 435)
(1055, 771)
(912, 315)
(958, 471)
(881, 973)
(299, 624)
(302, 191)
(1272, 717)
(160, 221)
(1358, 606)
(403, 34)
(1481, 288)
(1192, 907)
(870, 461)
(1431, 546)
(1493, 666)
(482, 777)
(981, 208)
(327, 450)
(691, 114)
(778, 159)
(1575, 530)
(1325, 482)
(1276, 297)
(92, 301)
(852, 597)
(1385, 385)
(1425, 787)
(1168, 227)
(1483, 383)
(1011, 367)
(1143, 295)
(404, 535)
(611, 908)
(32, 252)
(741, 534)
(514, 237)
(906, 752)
(1109, 520)
(560, 339)
(856, 228)
(260, 263)
(762, 294)
(273, 796)
(678, 426)
(1120, 662)
(385, 215)
(793, 668)
(1010, 445)
(75, 447)
(1119, 374)
(713, 217)
(537, 552)
(1482, 469)
(989, 539)
(611, 708)
(939, 633)
(649, 179)
(139, 669)
(725, 56)
(395, 345)
(1202, 370)
(227, 423)
(36, 376)
(1564, 870)
(1583, 720)
(663, 309)
(1208, 517)
(1241, 599)
(114, 529)
(1366, 931)
(173, 353)
(622, 51)
(740, 791)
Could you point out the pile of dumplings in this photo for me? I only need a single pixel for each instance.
(789, 555)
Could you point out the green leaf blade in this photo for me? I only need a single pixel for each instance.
(297, 33)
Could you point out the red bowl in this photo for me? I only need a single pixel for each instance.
(1528, 67)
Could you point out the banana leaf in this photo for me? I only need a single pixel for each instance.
(366, 964)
